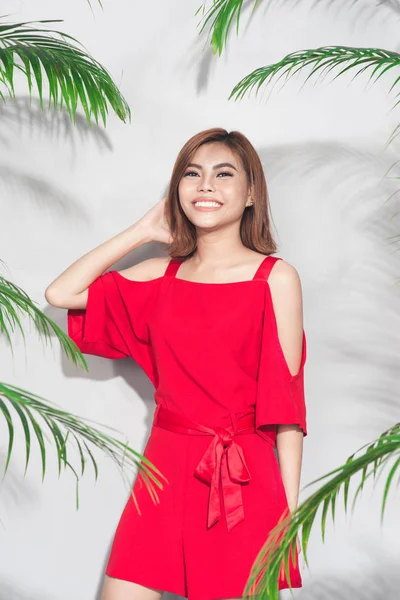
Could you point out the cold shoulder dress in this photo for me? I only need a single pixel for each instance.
(222, 385)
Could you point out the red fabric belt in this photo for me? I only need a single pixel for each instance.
(222, 463)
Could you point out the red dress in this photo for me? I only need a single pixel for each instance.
(213, 354)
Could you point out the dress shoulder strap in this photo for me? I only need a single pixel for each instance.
(172, 267)
(265, 268)
(262, 272)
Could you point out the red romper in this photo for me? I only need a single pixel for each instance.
(212, 352)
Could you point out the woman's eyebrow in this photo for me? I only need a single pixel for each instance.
(227, 164)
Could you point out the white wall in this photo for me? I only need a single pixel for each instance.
(65, 189)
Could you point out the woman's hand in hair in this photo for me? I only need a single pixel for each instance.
(154, 223)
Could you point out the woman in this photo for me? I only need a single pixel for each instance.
(217, 327)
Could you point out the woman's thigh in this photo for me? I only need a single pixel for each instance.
(118, 589)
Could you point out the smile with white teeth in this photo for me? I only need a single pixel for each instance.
(204, 203)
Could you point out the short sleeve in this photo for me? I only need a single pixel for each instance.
(280, 395)
(114, 323)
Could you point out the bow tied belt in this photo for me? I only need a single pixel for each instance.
(222, 464)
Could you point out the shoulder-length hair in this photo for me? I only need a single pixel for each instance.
(255, 230)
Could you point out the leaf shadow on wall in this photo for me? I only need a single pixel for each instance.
(379, 582)
(27, 134)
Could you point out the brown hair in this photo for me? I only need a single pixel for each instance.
(255, 223)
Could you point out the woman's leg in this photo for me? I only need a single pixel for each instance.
(118, 589)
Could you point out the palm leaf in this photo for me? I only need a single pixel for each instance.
(57, 427)
(325, 58)
(219, 18)
(263, 578)
(74, 77)
(14, 302)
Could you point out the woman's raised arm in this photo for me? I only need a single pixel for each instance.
(70, 289)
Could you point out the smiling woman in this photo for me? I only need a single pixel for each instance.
(228, 365)
(224, 346)
(225, 168)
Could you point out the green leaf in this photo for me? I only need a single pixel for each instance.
(63, 425)
(368, 461)
(219, 17)
(40, 438)
(71, 73)
(14, 302)
(10, 425)
(323, 518)
(26, 429)
(326, 58)
(387, 486)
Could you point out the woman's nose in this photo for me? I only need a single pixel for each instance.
(205, 185)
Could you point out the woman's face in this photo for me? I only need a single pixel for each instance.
(215, 173)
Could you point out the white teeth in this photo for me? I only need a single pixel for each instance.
(207, 204)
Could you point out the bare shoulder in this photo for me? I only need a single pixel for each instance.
(284, 272)
(152, 268)
(287, 303)
(285, 283)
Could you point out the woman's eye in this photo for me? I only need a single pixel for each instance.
(222, 173)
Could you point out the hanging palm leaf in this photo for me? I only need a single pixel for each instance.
(325, 58)
(219, 18)
(73, 76)
(281, 541)
(63, 426)
(15, 302)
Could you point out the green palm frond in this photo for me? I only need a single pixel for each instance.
(222, 13)
(72, 74)
(323, 59)
(282, 539)
(14, 302)
(30, 409)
